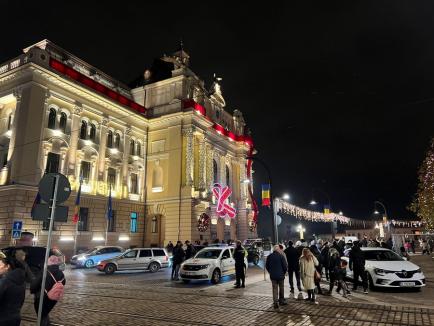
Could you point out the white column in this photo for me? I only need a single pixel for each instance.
(202, 164)
(73, 165)
(189, 157)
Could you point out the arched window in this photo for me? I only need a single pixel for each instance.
(132, 147)
(228, 176)
(118, 141)
(215, 171)
(110, 139)
(10, 121)
(138, 149)
(92, 133)
(52, 119)
(62, 122)
(157, 179)
(83, 130)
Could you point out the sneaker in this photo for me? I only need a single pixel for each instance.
(276, 305)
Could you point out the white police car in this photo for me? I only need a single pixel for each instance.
(210, 263)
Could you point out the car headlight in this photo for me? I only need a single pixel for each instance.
(380, 271)
(204, 266)
(81, 258)
(418, 271)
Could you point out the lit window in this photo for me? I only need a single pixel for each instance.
(133, 224)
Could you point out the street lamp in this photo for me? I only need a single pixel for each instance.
(341, 213)
(301, 230)
(286, 197)
(313, 202)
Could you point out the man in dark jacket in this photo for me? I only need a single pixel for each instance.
(189, 251)
(239, 255)
(277, 267)
(357, 265)
(54, 275)
(325, 258)
(292, 257)
(12, 292)
(177, 259)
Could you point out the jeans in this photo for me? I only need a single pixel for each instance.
(297, 279)
(175, 271)
(278, 290)
(239, 275)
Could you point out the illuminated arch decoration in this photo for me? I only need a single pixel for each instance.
(221, 194)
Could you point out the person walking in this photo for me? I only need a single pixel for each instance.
(277, 267)
(178, 258)
(20, 255)
(308, 262)
(325, 258)
(357, 265)
(334, 262)
(292, 257)
(54, 277)
(239, 254)
(341, 274)
(12, 291)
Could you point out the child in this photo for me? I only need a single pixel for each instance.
(341, 273)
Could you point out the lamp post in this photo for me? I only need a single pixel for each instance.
(273, 213)
(301, 230)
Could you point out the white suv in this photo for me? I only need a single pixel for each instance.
(210, 263)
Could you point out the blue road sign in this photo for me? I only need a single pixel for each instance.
(17, 226)
(16, 234)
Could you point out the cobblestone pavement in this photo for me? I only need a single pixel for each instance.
(145, 299)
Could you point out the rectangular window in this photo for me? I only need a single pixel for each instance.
(133, 224)
(85, 171)
(145, 253)
(52, 163)
(111, 227)
(111, 178)
(158, 253)
(134, 185)
(82, 223)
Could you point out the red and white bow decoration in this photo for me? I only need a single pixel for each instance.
(221, 194)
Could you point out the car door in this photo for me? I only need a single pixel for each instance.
(227, 263)
(128, 260)
(144, 259)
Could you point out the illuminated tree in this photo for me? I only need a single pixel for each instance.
(423, 204)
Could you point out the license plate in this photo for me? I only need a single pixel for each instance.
(407, 283)
(188, 273)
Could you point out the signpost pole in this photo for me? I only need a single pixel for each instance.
(47, 252)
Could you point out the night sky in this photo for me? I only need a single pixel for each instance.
(339, 95)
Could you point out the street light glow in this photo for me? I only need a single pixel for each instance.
(376, 212)
(313, 202)
(286, 196)
(341, 213)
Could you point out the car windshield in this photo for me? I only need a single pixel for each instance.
(208, 253)
(248, 242)
(382, 255)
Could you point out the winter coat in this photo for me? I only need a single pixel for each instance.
(341, 273)
(12, 293)
(292, 256)
(276, 266)
(357, 258)
(239, 255)
(325, 256)
(307, 272)
(189, 252)
(178, 255)
(35, 287)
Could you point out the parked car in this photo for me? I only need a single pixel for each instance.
(35, 256)
(94, 256)
(210, 263)
(256, 248)
(151, 259)
(385, 268)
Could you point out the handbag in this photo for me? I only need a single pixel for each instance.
(317, 276)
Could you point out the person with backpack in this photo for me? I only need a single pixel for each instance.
(12, 291)
(54, 288)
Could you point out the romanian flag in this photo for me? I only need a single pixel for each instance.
(76, 216)
(266, 195)
(326, 209)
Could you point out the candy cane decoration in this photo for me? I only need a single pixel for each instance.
(221, 194)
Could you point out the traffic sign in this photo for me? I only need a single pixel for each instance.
(17, 226)
(16, 234)
(46, 187)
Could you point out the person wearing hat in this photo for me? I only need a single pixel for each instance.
(54, 274)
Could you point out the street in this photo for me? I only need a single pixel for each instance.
(142, 298)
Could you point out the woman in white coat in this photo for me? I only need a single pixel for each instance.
(307, 272)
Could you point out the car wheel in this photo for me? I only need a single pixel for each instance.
(215, 276)
(256, 260)
(186, 281)
(371, 282)
(88, 263)
(153, 267)
(110, 269)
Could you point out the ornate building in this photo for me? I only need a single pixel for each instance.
(159, 146)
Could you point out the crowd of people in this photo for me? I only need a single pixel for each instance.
(308, 263)
(15, 274)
